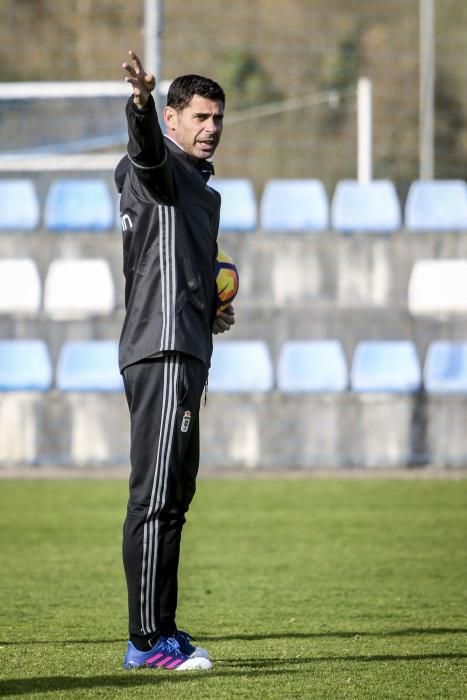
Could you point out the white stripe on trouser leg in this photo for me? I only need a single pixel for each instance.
(158, 494)
(168, 275)
(163, 264)
(160, 499)
(160, 476)
(174, 282)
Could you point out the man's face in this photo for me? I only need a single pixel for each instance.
(198, 127)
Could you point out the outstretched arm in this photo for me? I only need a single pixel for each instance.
(146, 147)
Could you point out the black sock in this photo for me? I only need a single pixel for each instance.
(168, 627)
(144, 642)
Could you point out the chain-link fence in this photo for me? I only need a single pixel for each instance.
(289, 67)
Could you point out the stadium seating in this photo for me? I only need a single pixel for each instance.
(79, 205)
(24, 365)
(294, 205)
(239, 366)
(89, 366)
(371, 207)
(312, 366)
(79, 288)
(434, 205)
(385, 366)
(20, 286)
(438, 287)
(20, 205)
(238, 206)
(445, 369)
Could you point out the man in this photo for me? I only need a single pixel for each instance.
(170, 219)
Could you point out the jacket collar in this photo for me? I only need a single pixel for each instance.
(203, 166)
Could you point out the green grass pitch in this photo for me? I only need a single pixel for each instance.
(300, 588)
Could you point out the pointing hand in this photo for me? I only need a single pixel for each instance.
(143, 83)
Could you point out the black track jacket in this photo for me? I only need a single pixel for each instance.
(170, 222)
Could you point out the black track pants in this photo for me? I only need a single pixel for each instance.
(164, 397)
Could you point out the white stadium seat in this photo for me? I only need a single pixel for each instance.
(79, 288)
(438, 287)
(20, 286)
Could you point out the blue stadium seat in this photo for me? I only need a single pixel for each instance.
(89, 365)
(238, 206)
(371, 207)
(25, 365)
(20, 205)
(386, 366)
(445, 369)
(314, 365)
(241, 365)
(79, 205)
(434, 205)
(294, 205)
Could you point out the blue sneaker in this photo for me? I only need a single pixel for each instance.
(165, 654)
(189, 649)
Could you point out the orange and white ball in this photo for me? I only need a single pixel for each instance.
(226, 278)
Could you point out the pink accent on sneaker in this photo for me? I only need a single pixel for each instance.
(174, 663)
(154, 658)
(164, 661)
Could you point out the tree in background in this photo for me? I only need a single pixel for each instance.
(340, 76)
(245, 81)
(450, 141)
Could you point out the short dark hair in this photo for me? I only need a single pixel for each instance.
(183, 88)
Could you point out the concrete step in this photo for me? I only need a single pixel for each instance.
(269, 431)
(358, 270)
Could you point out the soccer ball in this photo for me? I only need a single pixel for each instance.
(226, 279)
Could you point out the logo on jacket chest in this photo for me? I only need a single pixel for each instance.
(126, 222)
